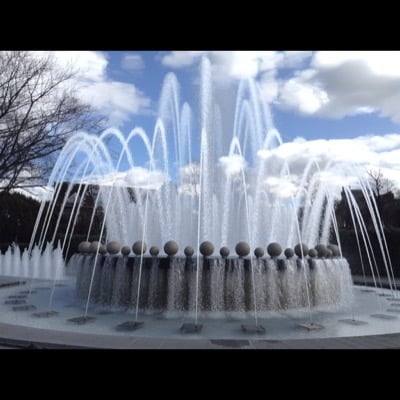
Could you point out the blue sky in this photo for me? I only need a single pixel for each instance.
(325, 95)
(144, 71)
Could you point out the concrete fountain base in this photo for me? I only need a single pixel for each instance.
(162, 331)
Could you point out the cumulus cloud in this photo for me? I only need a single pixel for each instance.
(118, 101)
(38, 193)
(89, 65)
(336, 162)
(228, 65)
(338, 84)
(137, 177)
(232, 165)
(180, 59)
(282, 187)
(329, 84)
(269, 87)
(132, 62)
(338, 159)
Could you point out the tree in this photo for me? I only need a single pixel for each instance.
(38, 112)
(17, 218)
(380, 186)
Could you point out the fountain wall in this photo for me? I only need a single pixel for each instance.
(225, 284)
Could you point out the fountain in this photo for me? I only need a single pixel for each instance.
(186, 214)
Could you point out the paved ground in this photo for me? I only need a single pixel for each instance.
(361, 280)
(30, 338)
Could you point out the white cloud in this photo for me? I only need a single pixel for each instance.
(363, 152)
(345, 83)
(329, 84)
(137, 177)
(38, 193)
(118, 101)
(296, 93)
(232, 165)
(89, 65)
(385, 63)
(282, 187)
(237, 64)
(132, 62)
(269, 87)
(247, 64)
(180, 59)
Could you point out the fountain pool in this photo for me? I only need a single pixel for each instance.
(161, 330)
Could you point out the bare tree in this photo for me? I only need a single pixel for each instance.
(38, 112)
(379, 185)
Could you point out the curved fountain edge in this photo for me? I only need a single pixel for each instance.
(33, 338)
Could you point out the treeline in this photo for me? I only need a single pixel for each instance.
(17, 219)
(18, 215)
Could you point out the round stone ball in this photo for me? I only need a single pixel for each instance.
(189, 251)
(335, 250)
(224, 251)
(113, 247)
(139, 247)
(206, 248)
(84, 247)
(94, 246)
(329, 253)
(321, 250)
(289, 253)
(154, 250)
(242, 249)
(312, 253)
(171, 248)
(274, 249)
(258, 252)
(103, 249)
(125, 250)
(299, 247)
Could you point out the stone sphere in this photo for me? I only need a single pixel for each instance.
(289, 253)
(242, 249)
(224, 251)
(139, 247)
(103, 249)
(94, 246)
(113, 247)
(299, 247)
(329, 253)
(258, 252)
(154, 250)
(321, 250)
(188, 251)
(171, 248)
(84, 247)
(312, 253)
(335, 250)
(125, 250)
(206, 248)
(274, 249)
